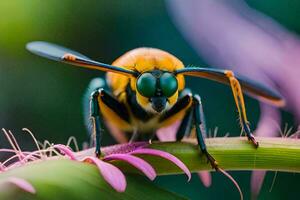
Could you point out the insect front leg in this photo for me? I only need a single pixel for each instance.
(105, 106)
(185, 126)
(192, 107)
(96, 120)
(240, 104)
(199, 121)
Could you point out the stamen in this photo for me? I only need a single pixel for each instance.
(273, 181)
(47, 143)
(226, 135)
(12, 144)
(10, 159)
(35, 153)
(11, 151)
(295, 135)
(51, 150)
(34, 140)
(73, 139)
(216, 131)
(15, 142)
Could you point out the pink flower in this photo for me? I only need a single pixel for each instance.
(126, 153)
(110, 173)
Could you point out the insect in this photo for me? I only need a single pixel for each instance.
(147, 92)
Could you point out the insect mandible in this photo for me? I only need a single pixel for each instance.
(147, 92)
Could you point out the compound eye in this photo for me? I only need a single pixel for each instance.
(146, 85)
(168, 84)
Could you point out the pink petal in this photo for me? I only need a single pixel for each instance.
(168, 133)
(117, 133)
(267, 127)
(139, 163)
(257, 180)
(65, 150)
(205, 178)
(167, 156)
(111, 174)
(22, 184)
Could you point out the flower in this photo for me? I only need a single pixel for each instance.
(111, 174)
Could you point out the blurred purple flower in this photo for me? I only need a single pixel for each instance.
(111, 174)
(231, 35)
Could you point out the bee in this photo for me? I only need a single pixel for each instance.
(147, 92)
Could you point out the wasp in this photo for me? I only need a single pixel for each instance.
(147, 92)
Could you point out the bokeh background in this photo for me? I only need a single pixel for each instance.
(46, 96)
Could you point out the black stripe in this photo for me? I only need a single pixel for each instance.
(180, 105)
(119, 108)
(135, 108)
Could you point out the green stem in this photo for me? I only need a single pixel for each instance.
(234, 153)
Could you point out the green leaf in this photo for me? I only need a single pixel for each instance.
(65, 179)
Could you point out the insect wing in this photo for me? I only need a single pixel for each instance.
(59, 53)
(250, 87)
(51, 51)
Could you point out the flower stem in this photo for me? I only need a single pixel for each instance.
(234, 153)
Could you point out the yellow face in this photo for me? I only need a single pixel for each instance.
(147, 105)
(156, 87)
(156, 90)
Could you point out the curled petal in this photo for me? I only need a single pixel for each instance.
(65, 150)
(139, 163)
(233, 181)
(166, 156)
(20, 183)
(111, 174)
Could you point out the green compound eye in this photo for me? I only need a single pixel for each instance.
(168, 84)
(146, 85)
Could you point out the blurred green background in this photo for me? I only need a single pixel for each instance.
(46, 96)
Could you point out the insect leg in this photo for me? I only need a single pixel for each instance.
(177, 111)
(192, 107)
(94, 85)
(186, 123)
(240, 104)
(105, 105)
(185, 126)
(200, 126)
(96, 121)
